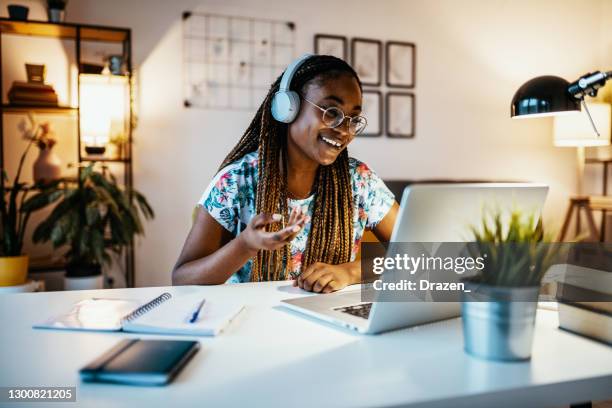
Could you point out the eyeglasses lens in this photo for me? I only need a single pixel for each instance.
(333, 117)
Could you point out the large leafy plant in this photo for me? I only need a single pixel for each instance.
(93, 216)
(516, 256)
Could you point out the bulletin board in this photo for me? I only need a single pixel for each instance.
(230, 62)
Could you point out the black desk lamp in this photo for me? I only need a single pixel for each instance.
(551, 95)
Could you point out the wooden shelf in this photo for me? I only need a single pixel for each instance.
(63, 30)
(103, 159)
(10, 108)
(598, 160)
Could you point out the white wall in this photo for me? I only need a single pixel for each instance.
(472, 56)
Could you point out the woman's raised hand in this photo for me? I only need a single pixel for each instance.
(255, 236)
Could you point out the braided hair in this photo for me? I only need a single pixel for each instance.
(331, 233)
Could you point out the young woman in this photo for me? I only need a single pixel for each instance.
(288, 201)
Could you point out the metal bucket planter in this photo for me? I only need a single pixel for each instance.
(498, 322)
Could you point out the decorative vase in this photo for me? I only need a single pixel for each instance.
(13, 270)
(498, 322)
(47, 166)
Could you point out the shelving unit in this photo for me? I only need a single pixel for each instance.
(78, 33)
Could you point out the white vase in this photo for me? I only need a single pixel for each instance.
(48, 166)
(84, 282)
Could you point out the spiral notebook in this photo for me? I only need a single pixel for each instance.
(163, 315)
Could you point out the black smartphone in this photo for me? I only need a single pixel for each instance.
(141, 362)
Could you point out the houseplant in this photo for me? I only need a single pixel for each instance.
(499, 312)
(94, 217)
(15, 211)
(117, 145)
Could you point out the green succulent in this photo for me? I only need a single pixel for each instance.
(518, 256)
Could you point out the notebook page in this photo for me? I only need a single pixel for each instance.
(172, 317)
(92, 314)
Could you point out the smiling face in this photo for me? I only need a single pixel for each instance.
(308, 136)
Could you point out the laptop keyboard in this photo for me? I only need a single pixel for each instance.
(360, 310)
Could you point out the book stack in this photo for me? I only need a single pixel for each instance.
(32, 93)
(585, 311)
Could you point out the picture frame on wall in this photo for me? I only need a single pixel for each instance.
(400, 114)
(372, 110)
(400, 64)
(366, 59)
(327, 44)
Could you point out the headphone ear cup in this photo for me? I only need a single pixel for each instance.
(285, 106)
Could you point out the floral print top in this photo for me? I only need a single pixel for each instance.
(230, 199)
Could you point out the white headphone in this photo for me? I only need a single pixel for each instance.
(286, 103)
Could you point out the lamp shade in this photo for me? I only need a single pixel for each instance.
(103, 104)
(543, 96)
(576, 130)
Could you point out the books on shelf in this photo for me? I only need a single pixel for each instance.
(586, 312)
(32, 93)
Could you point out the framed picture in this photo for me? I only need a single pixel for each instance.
(400, 64)
(366, 59)
(335, 45)
(400, 115)
(372, 109)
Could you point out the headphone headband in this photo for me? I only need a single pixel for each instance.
(291, 70)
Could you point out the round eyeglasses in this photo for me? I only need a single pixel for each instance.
(334, 117)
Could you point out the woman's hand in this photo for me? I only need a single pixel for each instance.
(325, 278)
(255, 236)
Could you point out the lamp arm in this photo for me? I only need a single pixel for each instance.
(588, 84)
(590, 117)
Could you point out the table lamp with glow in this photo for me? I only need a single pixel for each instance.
(103, 103)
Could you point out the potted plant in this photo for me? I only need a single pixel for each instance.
(94, 217)
(56, 10)
(499, 312)
(117, 145)
(15, 211)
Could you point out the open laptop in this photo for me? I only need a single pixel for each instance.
(428, 213)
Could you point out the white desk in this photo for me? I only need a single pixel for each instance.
(271, 357)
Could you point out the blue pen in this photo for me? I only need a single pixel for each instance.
(195, 314)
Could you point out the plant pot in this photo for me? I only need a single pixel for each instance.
(17, 12)
(56, 15)
(13, 270)
(48, 166)
(498, 322)
(115, 151)
(83, 276)
(83, 282)
(95, 150)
